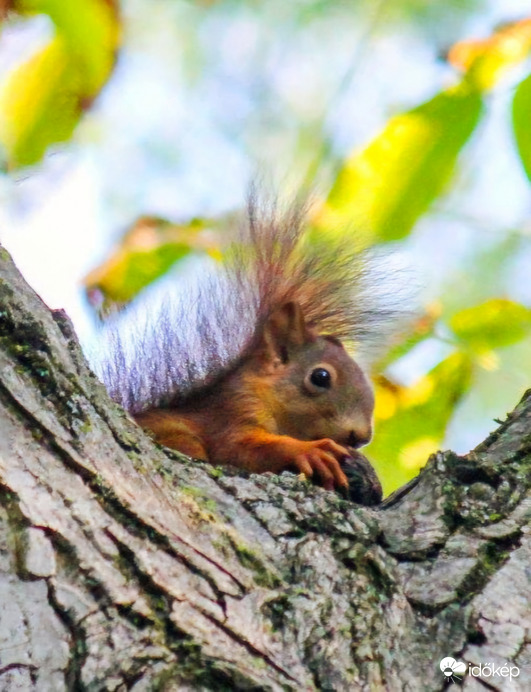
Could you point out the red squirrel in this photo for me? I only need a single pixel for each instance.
(270, 385)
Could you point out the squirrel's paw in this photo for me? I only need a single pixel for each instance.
(321, 458)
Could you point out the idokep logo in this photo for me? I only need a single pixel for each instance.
(450, 668)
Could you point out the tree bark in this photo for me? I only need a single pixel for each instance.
(126, 566)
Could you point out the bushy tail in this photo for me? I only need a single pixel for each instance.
(162, 354)
(344, 291)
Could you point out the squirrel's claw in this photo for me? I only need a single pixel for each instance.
(320, 459)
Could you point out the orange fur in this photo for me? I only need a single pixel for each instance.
(264, 416)
(229, 379)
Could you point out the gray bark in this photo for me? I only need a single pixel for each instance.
(126, 566)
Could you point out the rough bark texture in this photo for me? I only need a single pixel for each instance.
(123, 566)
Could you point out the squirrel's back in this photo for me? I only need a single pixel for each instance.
(164, 354)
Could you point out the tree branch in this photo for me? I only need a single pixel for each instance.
(127, 566)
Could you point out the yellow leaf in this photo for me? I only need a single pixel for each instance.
(402, 442)
(487, 60)
(489, 361)
(386, 404)
(383, 190)
(414, 455)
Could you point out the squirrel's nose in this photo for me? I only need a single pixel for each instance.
(359, 438)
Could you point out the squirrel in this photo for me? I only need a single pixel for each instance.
(252, 369)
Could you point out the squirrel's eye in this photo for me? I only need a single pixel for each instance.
(321, 378)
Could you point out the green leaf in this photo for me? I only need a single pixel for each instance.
(522, 122)
(410, 422)
(493, 324)
(386, 187)
(147, 250)
(91, 33)
(39, 104)
(42, 99)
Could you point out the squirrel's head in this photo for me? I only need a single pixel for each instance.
(317, 389)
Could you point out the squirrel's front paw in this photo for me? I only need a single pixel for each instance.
(321, 458)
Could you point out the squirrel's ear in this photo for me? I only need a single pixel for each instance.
(285, 329)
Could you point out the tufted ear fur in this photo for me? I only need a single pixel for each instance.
(284, 330)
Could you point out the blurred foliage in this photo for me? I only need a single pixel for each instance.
(491, 325)
(146, 251)
(522, 122)
(382, 190)
(390, 184)
(42, 99)
(487, 60)
(411, 420)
